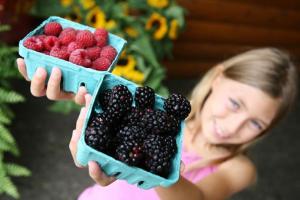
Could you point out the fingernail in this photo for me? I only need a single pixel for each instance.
(55, 72)
(39, 72)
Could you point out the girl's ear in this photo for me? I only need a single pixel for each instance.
(219, 76)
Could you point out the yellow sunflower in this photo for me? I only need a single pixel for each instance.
(66, 3)
(95, 18)
(126, 68)
(110, 24)
(159, 24)
(126, 62)
(158, 3)
(87, 4)
(136, 76)
(173, 32)
(132, 32)
(75, 15)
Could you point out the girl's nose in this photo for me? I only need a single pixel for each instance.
(233, 125)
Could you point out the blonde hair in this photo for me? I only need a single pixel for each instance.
(268, 69)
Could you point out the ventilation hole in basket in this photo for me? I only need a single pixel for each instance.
(117, 174)
(140, 183)
(82, 84)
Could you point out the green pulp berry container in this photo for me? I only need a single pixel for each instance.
(111, 166)
(73, 75)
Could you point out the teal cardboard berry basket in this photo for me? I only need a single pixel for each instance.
(73, 75)
(111, 166)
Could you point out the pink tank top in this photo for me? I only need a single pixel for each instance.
(121, 190)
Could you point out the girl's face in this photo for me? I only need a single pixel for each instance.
(235, 113)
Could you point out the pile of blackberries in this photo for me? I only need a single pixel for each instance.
(138, 135)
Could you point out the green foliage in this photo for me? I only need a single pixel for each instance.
(8, 71)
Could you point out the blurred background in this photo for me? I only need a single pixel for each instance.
(171, 44)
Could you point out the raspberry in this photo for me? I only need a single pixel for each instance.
(67, 36)
(52, 28)
(49, 42)
(101, 64)
(42, 37)
(73, 46)
(178, 106)
(85, 38)
(101, 36)
(34, 43)
(144, 97)
(80, 57)
(108, 52)
(59, 52)
(93, 52)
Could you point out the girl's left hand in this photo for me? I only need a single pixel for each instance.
(95, 171)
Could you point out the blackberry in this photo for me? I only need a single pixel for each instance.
(133, 117)
(177, 105)
(104, 98)
(97, 136)
(131, 134)
(114, 113)
(159, 152)
(170, 146)
(100, 119)
(155, 121)
(158, 164)
(153, 143)
(172, 125)
(121, 97)
(144, 97)
(130, 153)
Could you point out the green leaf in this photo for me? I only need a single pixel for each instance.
(10, 96)
(46, 8)
(4, 146)
(4, 118)
(9, 188)
(64, 107)
(4, 27)
(143, 47)
(5, 135)
(16, 170)
(163, 91)
(177, 13)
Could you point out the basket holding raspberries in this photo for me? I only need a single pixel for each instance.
(132, 130)
(81, 47)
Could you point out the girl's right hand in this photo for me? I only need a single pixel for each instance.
(39, 87)
(95, 171)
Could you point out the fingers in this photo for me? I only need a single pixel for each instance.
(79, 98)
(53, 88)
(98, 175)
(37, 86)
(80, 120)
(182, 167)
(73, 146)
(88, 99)
(22, 68)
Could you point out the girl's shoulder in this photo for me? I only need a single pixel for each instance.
(240, 170)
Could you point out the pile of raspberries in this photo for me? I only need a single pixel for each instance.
(81, 47)
(137, 133)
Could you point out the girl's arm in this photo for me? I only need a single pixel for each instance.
(231, 177)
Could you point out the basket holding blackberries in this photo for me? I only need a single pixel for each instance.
(132, 130)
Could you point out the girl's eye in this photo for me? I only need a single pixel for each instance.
(256, 125)
(234, 104)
